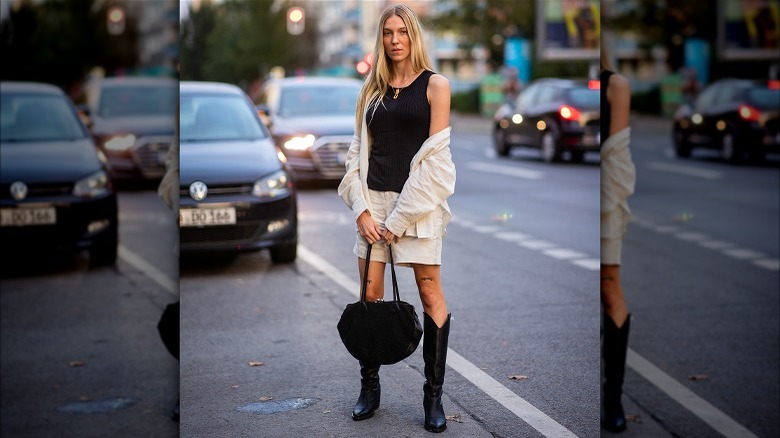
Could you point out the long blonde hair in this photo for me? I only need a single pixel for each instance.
(378, 79)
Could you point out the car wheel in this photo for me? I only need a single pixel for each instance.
(681, 147)
(728, 148)
(499, 141)
(550, 150)
(285, 253)
(577, 156)
(104, 253)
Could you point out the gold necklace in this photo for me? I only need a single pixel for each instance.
(396, 91)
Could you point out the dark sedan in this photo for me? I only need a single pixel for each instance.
(235, 192)
(735, 116)
(553, 115)
(132, 120)
(55, 191)
(312, 121)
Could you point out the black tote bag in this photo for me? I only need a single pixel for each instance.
(382, 332)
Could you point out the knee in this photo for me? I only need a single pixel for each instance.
(430, 290)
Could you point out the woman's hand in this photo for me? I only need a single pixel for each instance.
(368, 228)
(389, 237)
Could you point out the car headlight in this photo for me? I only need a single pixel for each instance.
(300, 142)
(120, 142)
(94, 185)
(276, 184)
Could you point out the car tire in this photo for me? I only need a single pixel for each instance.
(728, 148)
(499, 142)
(285, 253)
(577, 157)
(104, 253)
(681, 147)
(551, 152)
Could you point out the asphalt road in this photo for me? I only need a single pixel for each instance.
(81, 355)
(701, 277)
(520, 273)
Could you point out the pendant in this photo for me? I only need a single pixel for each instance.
(396, 90)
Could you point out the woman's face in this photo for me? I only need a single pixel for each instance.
(395, 37)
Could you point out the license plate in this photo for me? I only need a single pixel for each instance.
(16, 217)
(198, 217)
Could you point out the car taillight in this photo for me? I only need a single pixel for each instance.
(569, 112)
(594, 84)
(748, 113)
(774, 84)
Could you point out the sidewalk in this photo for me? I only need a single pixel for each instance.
(471, 123)
(649, 123)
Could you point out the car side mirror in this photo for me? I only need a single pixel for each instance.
(264, 113)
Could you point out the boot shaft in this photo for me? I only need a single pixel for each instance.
(435, 351)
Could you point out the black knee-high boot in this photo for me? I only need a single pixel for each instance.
(435, 356)
(614, 354)
(370, 393)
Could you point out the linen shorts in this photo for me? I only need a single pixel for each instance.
(409, 249)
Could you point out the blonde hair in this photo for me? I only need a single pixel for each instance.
(378, 79)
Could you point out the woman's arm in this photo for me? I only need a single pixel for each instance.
(619, 99)
(439, 97)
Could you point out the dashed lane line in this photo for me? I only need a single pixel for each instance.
(490, 386)
(685, 170)
(149, 270)
(506, 170)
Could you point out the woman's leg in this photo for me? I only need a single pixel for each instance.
(375, 288)
(612, 294)
(428, 278)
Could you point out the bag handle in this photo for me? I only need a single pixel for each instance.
(396, 295)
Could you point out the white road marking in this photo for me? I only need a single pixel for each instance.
(742, 254)
(484, 228)
(665, 229)
(715, 244)
(149, 270)
(592, 264)
(564, 254)
(690, 236)
(490, 386)
(536, 244)
(506, 170)
(685, 170)
(771, 264)
(511, 236)
(708, 413)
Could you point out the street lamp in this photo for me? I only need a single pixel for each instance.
(296, 21)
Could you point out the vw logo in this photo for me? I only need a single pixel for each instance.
(18, 190)
(198, 190)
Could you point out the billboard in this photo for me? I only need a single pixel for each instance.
(568, 29)
(748, 29)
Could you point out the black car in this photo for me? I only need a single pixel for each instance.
(55, 190)
(312, 121)
(553, 115)
(735, 116)
(236, 194)
(132, 120)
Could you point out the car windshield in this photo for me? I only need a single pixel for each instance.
(36, 117)
(584, 98)
(210, 117)
(310, 100)
(764, 98)
(137, 100)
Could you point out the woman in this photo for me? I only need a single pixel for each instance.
(399, 176)
(617, 184)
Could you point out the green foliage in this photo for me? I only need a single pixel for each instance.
(648, 101)
(465, 102)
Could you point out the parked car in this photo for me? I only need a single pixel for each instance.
(734, 116)
(55, 190)
(312, 121)
(132, 120)
(553, 115)
(236, 194)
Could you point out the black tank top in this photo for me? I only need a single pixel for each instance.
(606, 109)
(398, 128)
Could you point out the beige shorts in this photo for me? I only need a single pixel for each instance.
(409, 250)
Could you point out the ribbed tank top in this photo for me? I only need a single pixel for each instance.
(606, 110)
(398, 128)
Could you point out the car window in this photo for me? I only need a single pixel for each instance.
(31, 117)
(137, 100)
(727, 95)
(707, 98)
(763, 98)
(547, 94)
(528, 96)
(584, 97)
(217, 117)
(310, 100)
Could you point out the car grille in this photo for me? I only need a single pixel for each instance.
(228, 233)
(242, 189)
(329, 153)
(40, 190)
(149, 155)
